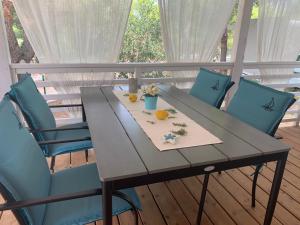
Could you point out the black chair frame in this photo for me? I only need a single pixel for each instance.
(36, 131)
(15, 206)
(259, 167)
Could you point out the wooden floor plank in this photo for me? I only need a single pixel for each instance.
(293, 138)
(62, 162)
(151, 213)
(294, 160)
(286, 186)
(1, 202)
(285, 200)
(78, 159)
(233, 207)
(167, 204)
(8, 219)
(243, 197)
(92, 156)
(127, 218)
(292, 132)
(211, 207)
(288, 176)
(185, 200)
(281, 213)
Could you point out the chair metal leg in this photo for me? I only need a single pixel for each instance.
(202, 199)
(70, 159)
(52, 163)
(254, 183)
(86, 156)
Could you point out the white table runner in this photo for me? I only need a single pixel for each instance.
(196, 134)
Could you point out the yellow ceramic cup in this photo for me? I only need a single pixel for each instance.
(132, 97)
(161, 114)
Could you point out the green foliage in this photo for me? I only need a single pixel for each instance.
(255, 8)
(17, 28)
(231, 24)
(233, 20)
(142, 39)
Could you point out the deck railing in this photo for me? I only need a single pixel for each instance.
(277, 81)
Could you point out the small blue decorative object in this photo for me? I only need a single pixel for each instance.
(170, 138)
(151, 102)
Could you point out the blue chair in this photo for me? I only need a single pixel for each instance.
(53, 140)
(38, 197)
(211, 87)
(261, 107)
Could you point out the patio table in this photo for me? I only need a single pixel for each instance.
(126, 157)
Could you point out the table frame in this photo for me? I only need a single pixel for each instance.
(110, 185)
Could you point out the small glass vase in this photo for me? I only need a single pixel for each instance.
(133, 85)
(151, 102)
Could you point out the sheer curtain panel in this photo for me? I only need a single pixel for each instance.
(74, 31)
(192, 29)
(278, 33)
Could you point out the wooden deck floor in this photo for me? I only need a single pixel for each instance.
(228, 199)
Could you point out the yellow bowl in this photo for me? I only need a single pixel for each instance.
(132, 97)
(161, 114)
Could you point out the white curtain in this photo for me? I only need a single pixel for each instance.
(74, 31)
(278, 33)
(192, 29)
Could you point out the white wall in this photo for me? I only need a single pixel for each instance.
(5, 77)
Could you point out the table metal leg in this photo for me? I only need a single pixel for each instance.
(275, 189)
(202, 199)
(107, 203)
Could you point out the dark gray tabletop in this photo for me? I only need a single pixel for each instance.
(123, 150)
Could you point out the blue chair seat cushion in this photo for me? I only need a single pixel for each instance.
(211, 87)
(85, 210)
(62, 148)
(259, 106)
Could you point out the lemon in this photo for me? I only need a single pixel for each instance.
(161, 114)
(132, 97)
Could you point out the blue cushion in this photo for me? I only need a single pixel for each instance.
(81, 211)
(70, 134)
(23, 168)
(260, 106)
(34, 107)
(211, 87)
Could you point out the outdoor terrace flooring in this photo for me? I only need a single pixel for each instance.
(228, 199)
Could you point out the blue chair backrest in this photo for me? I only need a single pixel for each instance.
(24, 171)
(260, 106)
(211, 87)
(34, 107)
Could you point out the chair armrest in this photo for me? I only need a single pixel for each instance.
(58, 129)
(13, 205)
(65, 106)
(52, 142)
(49, 199)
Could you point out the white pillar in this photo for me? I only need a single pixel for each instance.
(240, 41)
(5, 75)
